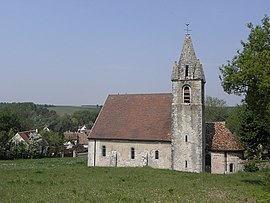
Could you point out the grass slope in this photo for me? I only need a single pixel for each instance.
(61, 110)
(69, 180)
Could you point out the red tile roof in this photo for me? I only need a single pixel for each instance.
(135, 117)
(70, 135)
(219, 138)
(25, 135)
(81, 137)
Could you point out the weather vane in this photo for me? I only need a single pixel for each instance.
(188, 30)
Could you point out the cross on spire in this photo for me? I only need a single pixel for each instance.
(187, 24)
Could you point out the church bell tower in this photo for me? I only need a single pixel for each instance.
(188, 127)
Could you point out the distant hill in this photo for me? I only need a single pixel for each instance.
(61, 110)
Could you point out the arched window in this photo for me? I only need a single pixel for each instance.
(132, 153)
(186, 138)
(186, 164)
(231, 168)
(103, 150)
(186, 94)
(156, 154)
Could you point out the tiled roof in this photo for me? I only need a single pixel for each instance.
(28, 135)
(70, 135)
(81, 137)
(25, 135)
(219, 138)
(135, 117)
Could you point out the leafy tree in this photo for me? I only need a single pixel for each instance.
(29, 115)
(60, 124)
(233, 121)
(86, 117)
(34, 148)
(4, 145)
(11, 133)
(8, 120)
(54, 140)
(248, 74)
(17, 150)
(215, 109)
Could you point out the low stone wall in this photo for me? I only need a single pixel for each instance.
(263, 164)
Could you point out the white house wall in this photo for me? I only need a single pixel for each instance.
(17, 138)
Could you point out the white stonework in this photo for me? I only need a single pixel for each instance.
(118, 154)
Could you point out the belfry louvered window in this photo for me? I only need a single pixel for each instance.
(186, 94)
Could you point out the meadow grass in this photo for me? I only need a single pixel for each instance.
(70, 180)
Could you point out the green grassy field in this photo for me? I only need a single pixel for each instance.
(61, 110)
(70, 180)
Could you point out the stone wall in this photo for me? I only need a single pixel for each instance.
(118, 154)
(226, 162)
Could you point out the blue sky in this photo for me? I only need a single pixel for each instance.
(69, 52)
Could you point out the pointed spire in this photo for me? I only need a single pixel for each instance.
(188, 54)
(188, 67)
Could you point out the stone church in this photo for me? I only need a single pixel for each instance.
(165, 130)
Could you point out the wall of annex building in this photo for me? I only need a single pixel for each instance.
(119, 153)
(226, 162)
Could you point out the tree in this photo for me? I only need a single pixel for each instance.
(86, 117)
(54, 140)
(248, 74)
(215, 109)
(233, 121)
(8, 120)
(4, 145)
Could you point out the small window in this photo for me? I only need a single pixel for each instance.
(186, 138)
(156, 154)
(231, 168)
(132, 153)
(208, 160)
(186, 71)
(186, 164)
(186, 94)
(103, 150)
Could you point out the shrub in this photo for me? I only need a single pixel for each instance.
(250, 167)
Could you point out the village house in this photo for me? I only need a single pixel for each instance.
(165, 130)
(31, 137)
(76, 142)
